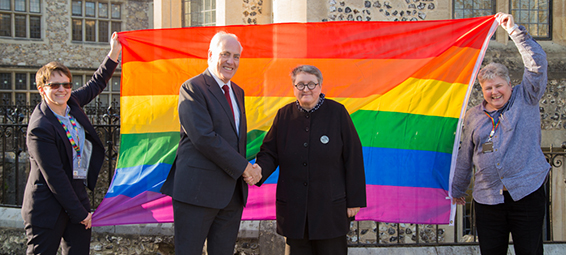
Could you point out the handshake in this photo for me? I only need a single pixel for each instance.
(252, 174)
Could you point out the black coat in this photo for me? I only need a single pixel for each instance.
(321, 170)
(50, 186)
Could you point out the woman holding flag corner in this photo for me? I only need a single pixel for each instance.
(501, 137)
(66, 155)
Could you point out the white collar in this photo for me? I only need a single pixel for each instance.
(219, 81)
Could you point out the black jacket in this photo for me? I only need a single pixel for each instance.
(321, 170)
(50, 186)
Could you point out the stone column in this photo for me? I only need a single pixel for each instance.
(299, 10)
(501, 35)
(559, 22)
(167, 13)
(289, 11)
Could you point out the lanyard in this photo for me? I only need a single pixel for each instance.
(494, 126)
(71, 140)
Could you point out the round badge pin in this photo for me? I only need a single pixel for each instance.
(324, 139)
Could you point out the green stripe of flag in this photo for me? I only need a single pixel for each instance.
(147, 149)
(144, 149)
(391, 130)
(405, 131)
(255, 139)
(375, 128)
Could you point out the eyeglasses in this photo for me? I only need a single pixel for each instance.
(310, 85)
(56, 85)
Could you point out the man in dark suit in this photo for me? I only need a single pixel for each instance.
(207, 179)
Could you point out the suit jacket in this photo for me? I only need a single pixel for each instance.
(321, 170)
(211, 156)
(50, 188)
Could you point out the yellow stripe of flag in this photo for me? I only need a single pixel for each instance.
(415, 96)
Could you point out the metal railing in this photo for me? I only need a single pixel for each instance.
(14, 159)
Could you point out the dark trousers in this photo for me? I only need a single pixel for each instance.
(333, 246)
(523, 219)
(195, 224)
(74, 238)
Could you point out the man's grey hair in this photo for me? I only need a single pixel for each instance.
(215, 41)
(307, 69)
(492, 70)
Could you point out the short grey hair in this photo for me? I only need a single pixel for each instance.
(215, 41)
(492, 70)
(307, 69)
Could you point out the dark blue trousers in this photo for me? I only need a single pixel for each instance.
(73, 238)
(305, 246)
(195, 224)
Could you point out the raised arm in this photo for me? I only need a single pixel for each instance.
(534, 58)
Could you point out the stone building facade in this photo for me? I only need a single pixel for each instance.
(21, 56)
(73, 32)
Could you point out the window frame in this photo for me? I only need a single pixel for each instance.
(493, 9)
(13, 29)
(508, 8)
(195, 13)
(9, 76)
(14, 92)
(550, 21)
(89, 30)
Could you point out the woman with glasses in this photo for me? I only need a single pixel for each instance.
(65, 157)
(321, 170)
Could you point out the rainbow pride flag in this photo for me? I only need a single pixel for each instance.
(405, 85)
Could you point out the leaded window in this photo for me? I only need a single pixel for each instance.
(199, 13)
(535, 15)
(473, 8)
(20, 18)
(95, 21)
(19, 87)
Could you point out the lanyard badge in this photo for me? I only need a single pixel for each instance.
(488, 146)
(79, 172)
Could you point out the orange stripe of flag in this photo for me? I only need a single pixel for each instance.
(354, 78)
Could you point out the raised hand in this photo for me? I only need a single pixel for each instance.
(115, 47)
(505, 20)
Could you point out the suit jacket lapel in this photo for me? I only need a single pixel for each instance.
(219, 95)
(239, 94)
(60, 131)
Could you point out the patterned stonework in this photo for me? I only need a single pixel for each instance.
(370, 232)
(552, 105)
(407, 10)
(252, 10)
